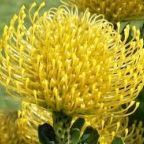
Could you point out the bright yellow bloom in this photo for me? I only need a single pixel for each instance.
(29, 118)
(71, 62)
(113, 10)
(21, 127)
(8, 128)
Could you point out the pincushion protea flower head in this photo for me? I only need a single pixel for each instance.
(114, 10)
(20, 127)
(71, 62)
(29, 118)
(8, 128)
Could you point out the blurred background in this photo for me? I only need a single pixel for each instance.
(7, 9)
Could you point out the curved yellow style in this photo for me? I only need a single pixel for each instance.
(113, 127)
(135, 134)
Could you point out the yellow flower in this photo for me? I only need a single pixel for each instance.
(72, 62)
(114, 10)
(20, 127)
(8, 128)
(29, 118)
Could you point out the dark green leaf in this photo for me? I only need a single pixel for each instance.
(75, 135)
(138, 115)
(141, 94)
(46, 134)
(117, 140)
(90, 136)
(78, 123)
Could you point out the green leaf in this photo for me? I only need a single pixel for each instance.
(78, 123)
(141, 96)
(75, 130)
(90, 136)
(75, 135)
(117, 140)
(46, 134)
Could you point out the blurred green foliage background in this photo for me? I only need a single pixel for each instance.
(7, 9)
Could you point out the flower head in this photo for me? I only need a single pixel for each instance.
(21, 126)
(8, 128)
(30, 116)
(71, 62)
(114, 10)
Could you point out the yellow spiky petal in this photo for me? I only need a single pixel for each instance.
(114, 10)
(71, 62)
